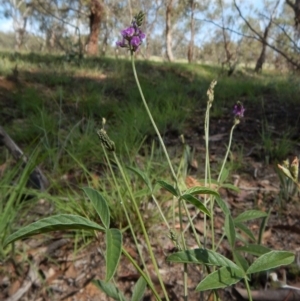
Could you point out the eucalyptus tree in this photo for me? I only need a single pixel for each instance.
(19, 11)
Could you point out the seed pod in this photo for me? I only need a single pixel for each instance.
(107, 143)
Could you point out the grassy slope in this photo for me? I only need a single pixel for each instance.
(54, 107)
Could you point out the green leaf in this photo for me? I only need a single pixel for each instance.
(168, 187)
(240, 260)
(110, 290)
(230, 186)
(224, 175)
(54, 223)
(271, 260)
(249, 215)
(113, 251)
(221, 278)
(245, 229)
(139, 289)
(99, 204)
(197, 203)
(222, 205)
(262, 227)
(201, 256)
(230, 230)
(201, 190)
(256, 250)
(142, 175)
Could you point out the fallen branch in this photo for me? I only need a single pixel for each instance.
(37, 179)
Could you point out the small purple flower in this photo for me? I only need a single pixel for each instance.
(238, 110)
(128, 32)
(132, 37)
(135, 43)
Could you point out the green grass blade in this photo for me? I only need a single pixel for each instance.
(54, 223)
(113, 251)
(99, 204)
(142, 175)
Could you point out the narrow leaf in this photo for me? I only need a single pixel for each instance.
(168, 187)
(139, 289)
(262, 227)
(246, 230)
(113, 251)
(221, 278)
(201, 190)
(230, 230)
(54, 223)
(142, 176)
(197, 203)
(256, 250)
(99, 204)
(271, 260)
(201, 256)
(110, 290)
(249, 215)
(231, 187)
(240, 260)
(224, 175)
(222, 205)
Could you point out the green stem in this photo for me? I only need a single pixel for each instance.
(248, 288)
(228, 150)
(207, 176)
(142, 274)
(127, 216)
(152, 121)
(142, 227)
(170, 165)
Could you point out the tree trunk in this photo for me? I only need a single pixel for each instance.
(260, 61)
(296, 8)
(96, 11)
(169, 52)
(262, 57)
(192, 27)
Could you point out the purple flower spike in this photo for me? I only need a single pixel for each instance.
(238, 110)
(132, 35)
(135, 42)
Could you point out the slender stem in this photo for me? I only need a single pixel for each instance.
(127, 216)
(248, 288)
(170, 165)
(207, 166)
(152, 121)
(141, 273)
(228, 150)
(142, 227)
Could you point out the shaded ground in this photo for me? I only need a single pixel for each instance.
(55, 269)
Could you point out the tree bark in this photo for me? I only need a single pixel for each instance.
(296, 8)
(261, 59)
(190, 53)
(169, 52)
(96, 11)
